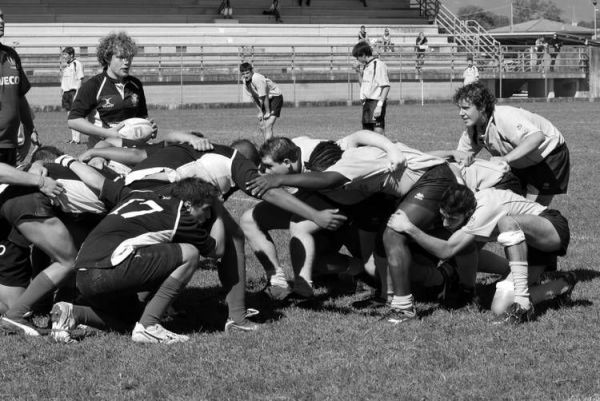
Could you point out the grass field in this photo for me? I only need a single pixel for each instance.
(328, 350)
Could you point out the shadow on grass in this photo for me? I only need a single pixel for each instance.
(205, 309)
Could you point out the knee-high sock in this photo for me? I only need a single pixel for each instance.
(37, 289)
(156, 308)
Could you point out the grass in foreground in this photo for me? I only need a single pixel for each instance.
(329, 350)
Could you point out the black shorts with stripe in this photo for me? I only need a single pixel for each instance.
(368, 120)
(550, 176)
(15, 267)
(275, 104)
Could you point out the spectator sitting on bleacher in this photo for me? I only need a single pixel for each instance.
(386, 41)
(225, 9)
(274, 11)
(362, 34)
(421, 47)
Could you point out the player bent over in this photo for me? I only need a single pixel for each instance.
(530, 233)
(148, 243)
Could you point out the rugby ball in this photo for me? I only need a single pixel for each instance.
(136, 129)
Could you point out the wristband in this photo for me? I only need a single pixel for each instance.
(65, 160)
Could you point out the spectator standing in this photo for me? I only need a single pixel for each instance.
(374, 88)
(386, 40)
(14, 108)
(421, 47)
(540, 49)
(362, 34)
(471, 73)
(265, 94)
(554, 45)
(71, 78)
(274, 11)
(225, 9)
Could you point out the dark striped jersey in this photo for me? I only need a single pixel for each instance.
(139, 219)
(13, 85)
(109, 100)
(224, 167)
(77, 197)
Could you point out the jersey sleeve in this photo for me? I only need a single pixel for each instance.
(189, 231)
(381, 75)
(484, 220)
(261, 85)
(85, 100)
(242, 171)
(142, 106)
(24, 84)
(112, 193)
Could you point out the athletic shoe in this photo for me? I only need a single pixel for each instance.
(396, 316)
(515, 314)
(244, 326)
(303, 288)
(62, 322)
(568, 276)
(20, 326)
(156, 334)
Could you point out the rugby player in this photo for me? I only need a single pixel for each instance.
(531, 235)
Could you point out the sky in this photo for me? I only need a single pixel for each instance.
(578, 10)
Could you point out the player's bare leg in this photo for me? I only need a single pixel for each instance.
(302, 253)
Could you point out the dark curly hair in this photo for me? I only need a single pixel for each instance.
(479, 95)
(362, 49)
(325, 155)
(458, 199)
(115, 43)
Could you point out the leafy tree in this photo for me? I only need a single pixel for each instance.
(526, 10)
(486, 19)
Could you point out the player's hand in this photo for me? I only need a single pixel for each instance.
(50, 187)
(201, 144)
(35, 138)
(330, 219)
(259, 185)
(377, 111)
(113, 132)
(267, 115)
(86, 156)
(465, 158)
(154, 128)
(399, 222)
(38, 168)
(259, 115)
(397, 161)
(97, 162)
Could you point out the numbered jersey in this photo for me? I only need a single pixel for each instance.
(139, 219)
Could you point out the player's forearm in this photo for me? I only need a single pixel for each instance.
(530, 144)
(88, 175)
(313, 180)
(384, 93)
(127, 156)
(369, 138)
(435, 246)
(85, 127)
(217, 232)
(26, 116)
(12, 176)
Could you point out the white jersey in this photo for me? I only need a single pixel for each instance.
(72, 75)
(482, 174)
(374, 79)
(492, 205)
(470, 75)
(367, 169)
(507, 128)
(261, 86)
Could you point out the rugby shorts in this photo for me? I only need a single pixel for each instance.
(550, 176)
(368, 121)
(67, 99)
(422, 203)
(15, 267)
(275, 103)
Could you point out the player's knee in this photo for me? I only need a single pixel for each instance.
(393, 240)
(507, 223)
(247, 222)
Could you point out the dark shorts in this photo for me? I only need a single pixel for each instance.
(422, 202)
(551, 175)
(510, 182)
(25, 204)
(369, 214)
(67, 99)
(145, 270)
(368, 121)
(15, 268)
(8, 156)
(275, 104)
